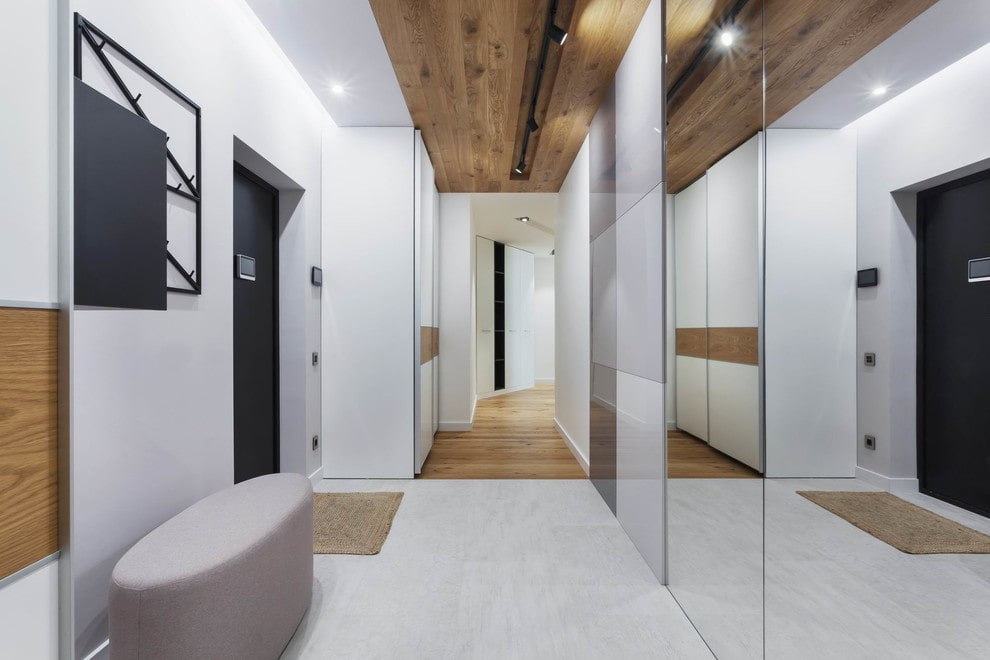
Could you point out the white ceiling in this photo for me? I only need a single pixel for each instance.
(337, 42)
(943, 34)
(494, 216)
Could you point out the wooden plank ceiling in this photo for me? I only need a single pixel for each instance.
(718, 105)
(466, 69)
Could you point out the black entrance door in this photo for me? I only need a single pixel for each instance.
(255, 327)
(954, 342)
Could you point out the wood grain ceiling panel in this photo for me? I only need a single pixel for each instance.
(807, 43)
(466, 70)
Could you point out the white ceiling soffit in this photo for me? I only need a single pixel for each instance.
(945, 33)
(494, 216)
(337, 42)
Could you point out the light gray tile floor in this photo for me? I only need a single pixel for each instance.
(494, 569)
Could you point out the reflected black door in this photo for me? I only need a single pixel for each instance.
(255, 327)
(954, 366)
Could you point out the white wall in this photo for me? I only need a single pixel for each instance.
(28, 259)
(28, 246)
(810, 303)
(152, 426)
(458, 385)
(370, 337)
(544, 312)
(937, 127)
(572, 308)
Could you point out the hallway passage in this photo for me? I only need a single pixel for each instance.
(513, 438)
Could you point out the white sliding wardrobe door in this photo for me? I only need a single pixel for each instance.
(519, 315)
(528, 319)
(486, 315)
(691, 307)
(733, 304)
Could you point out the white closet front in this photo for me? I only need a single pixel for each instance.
(505, 317)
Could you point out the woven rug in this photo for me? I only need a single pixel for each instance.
(352, 523)
(905, 526)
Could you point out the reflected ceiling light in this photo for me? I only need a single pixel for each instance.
(558, 34)
(879, 90)
(338, 90)
(727, 37)
(524, 218)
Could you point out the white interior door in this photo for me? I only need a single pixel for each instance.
(485, 278)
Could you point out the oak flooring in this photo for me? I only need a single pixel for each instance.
(691, 458)
(513, 437)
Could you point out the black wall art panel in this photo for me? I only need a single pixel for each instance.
(107, 67)
(120, 237)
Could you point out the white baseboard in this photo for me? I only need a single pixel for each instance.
(671, 426)
(545, 381)
(317, 476)
(578, 455)
(454, 426)
(893, 485)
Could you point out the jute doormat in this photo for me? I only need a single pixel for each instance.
(907, 527)
(352, 523)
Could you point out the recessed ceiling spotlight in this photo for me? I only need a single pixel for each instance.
(338, 90)
(879, 90)
(558, 34)
(727, 37)
(524, 218)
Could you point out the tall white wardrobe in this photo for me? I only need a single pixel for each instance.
(717, 254)
(505, 317)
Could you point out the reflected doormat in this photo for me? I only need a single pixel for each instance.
(907, 527)
(352, 523)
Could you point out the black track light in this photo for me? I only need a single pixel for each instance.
(532, 125)
(558, 34)
(520, 168)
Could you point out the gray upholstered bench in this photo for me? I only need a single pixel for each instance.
(229, 577)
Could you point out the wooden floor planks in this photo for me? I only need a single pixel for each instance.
(513, 437)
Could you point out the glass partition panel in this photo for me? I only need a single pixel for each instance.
(714, 106)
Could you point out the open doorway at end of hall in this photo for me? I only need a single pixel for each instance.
(513, 435)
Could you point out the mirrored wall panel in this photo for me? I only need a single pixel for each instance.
(877, 425)
(715, 160)
(627, 294)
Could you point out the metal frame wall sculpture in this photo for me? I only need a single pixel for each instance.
(184, 181)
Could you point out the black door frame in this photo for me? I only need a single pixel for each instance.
(254, 178)
(921, 228)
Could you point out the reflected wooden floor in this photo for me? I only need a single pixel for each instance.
(513, 437)
(691, 458)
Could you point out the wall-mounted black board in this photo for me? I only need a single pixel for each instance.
(120, 238)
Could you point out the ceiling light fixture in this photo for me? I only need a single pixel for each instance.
(558, 34)
(524, 218)
(727, 37)
(338, 90)
(879, 90)
(552, 32)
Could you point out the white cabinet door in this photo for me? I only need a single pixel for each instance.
(519, 318)
(485, 278)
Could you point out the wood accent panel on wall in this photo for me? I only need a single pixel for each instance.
(739, 345)
(429, 343)
(692, 342)
(28, 437)
(466, 70)
(808, 43)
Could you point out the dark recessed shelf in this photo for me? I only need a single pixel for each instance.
(499, 302)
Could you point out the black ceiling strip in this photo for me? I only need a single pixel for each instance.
(727, 19)
(538, 82)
